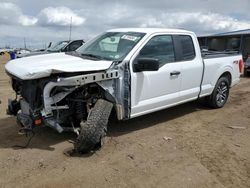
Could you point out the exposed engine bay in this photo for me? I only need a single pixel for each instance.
(60, 102)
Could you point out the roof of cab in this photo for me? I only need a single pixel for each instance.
(150, 30)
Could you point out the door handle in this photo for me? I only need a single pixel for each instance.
(175, 73)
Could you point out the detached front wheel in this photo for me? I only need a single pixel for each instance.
(220, 94)
(95, 128)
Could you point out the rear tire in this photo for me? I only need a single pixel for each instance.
(220, 94)
(95, 128)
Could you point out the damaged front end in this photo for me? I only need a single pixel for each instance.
(26, 104)
(63, 101)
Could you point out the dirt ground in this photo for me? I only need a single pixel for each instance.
(202, 152)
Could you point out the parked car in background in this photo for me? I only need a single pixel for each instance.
(130, 72)
(62, 46)
(247, 67)
(22, 52)
(5, 50)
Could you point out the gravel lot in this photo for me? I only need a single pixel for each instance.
(185, 146)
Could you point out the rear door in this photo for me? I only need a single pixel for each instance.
(152, 91)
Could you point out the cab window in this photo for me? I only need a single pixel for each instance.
(159, 47)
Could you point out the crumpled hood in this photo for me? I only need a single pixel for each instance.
(40, 66)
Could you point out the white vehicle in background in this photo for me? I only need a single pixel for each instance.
(130, 71)
(61, 46)
(5, 50)
(22, 52)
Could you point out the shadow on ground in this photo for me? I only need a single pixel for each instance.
(45, 138)
(117, 128)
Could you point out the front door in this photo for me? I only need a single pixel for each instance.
(155, 90)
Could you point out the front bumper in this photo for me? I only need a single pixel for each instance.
(25, 117)
(28, 119)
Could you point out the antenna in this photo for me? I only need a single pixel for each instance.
(24, 42)
(70, 28)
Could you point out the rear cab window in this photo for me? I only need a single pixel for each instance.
(184, 48)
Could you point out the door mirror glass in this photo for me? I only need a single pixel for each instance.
(146, 64)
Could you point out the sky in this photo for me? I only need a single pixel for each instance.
(40, 22)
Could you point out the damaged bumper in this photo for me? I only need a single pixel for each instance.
(25, 117)
(28, 119)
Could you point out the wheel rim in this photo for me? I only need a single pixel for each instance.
(222, 93)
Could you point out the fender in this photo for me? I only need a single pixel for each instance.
(220, 72)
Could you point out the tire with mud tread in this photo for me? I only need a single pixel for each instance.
(95, 128)
(220, 93)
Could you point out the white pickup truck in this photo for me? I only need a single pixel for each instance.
(130, 72)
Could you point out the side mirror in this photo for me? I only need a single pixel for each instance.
(146, 64)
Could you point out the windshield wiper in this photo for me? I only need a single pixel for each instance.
(93, 56)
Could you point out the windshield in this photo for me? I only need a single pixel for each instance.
(111, 45)
(57, 46)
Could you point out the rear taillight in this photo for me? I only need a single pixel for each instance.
(241, 66)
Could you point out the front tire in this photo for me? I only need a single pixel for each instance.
(95, 128)
(220, 94)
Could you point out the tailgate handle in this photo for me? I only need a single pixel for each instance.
(175, 73)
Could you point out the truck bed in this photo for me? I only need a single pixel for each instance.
(215, 63)
(218, 54)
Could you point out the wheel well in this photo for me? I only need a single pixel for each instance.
(227, 75)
